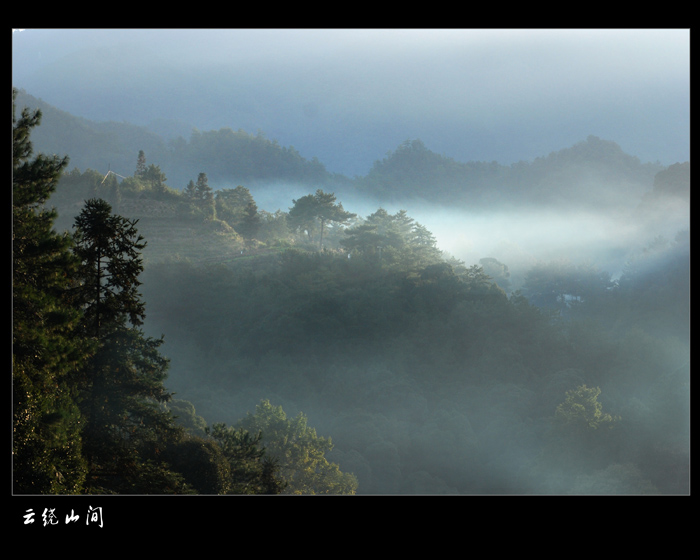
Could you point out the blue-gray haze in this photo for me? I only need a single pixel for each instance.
(348, 96)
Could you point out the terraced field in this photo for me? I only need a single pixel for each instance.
(200, 243)
(170, 236)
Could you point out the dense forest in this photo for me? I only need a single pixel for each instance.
(174, 336)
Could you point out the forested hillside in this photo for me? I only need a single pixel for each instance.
(91, 412)
(430, 379)
(592, 173)
(318, 348)
(588, 174)
(229, 157)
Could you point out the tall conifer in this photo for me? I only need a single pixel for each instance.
(46, 448)
(123, 387)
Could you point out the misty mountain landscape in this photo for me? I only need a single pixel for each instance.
(365, 262)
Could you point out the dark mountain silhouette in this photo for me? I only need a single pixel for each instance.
(591, 172)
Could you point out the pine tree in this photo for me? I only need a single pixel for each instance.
(154, 177)
(204, 196)
(236, 206)
(46, 450)
(250, 224)
(319, 208)
(122, 384)
(189, 191)
(140, 164)
(250, 471)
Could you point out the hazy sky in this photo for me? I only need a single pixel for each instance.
(348, 96)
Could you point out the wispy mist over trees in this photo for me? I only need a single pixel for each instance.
(88, 393)
(317, 335)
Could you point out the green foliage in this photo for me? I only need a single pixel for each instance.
(76, 186)
(249, 226)
(251, 472)
(237, 207)
(316, 327)
(185, 415)
(343, 337)
(581, 444)
(93, 145)
(122, 384)
(108, 247)
(46, 450)
(582, 411)
(201, 197)
(140, 164)
(299, 452)
(312, 212)
(429, 378)
(273, 228)
(201, 463)
(154, 177)
(394, 241)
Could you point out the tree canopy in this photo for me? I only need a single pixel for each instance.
(312, 212)
(299, 451)
(46, 450)
(430, 375)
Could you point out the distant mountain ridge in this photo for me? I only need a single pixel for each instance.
(582, 173)
(569, 174)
